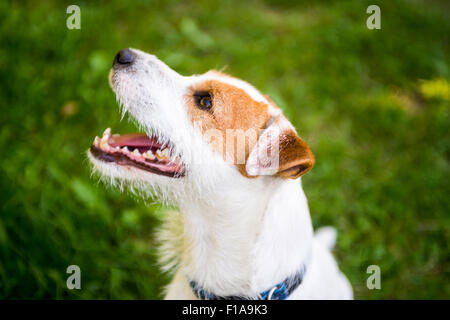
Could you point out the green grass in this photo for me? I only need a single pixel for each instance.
(372, 104)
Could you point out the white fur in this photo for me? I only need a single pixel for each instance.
(234, 236)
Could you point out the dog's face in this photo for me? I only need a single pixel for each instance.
(199, 131)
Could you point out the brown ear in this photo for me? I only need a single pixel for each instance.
(280, 151)
(296, 157)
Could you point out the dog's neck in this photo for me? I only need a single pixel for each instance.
(247, 245)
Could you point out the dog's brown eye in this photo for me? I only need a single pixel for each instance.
(203, 100)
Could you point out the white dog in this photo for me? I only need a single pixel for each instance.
(225, 155)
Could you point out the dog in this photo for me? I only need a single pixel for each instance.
(231, 162)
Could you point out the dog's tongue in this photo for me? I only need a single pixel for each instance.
(136, 140)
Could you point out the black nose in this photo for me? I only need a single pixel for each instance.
(124, 57)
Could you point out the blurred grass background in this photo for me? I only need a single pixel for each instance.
(372, 104)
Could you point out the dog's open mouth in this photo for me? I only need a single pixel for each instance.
(138, 150)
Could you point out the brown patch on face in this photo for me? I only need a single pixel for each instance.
(269, 99)
(235, 119)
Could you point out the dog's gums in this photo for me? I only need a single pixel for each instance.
(139, 151)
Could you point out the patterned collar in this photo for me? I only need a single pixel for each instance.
(278, 292)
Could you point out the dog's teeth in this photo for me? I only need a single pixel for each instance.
(105, 138)
(136, 152)
(104, 144)
(96, 141)
(149, 154)
(107, 132)
(159, 155)
(125, 149)
(166, 153)
(117, 148)
(163, 154)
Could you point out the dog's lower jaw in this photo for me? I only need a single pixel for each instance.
(246, 247)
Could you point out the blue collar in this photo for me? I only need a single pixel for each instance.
(278, 292)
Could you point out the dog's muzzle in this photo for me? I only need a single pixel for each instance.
(124, 58)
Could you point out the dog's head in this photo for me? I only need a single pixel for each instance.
(200, 132)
